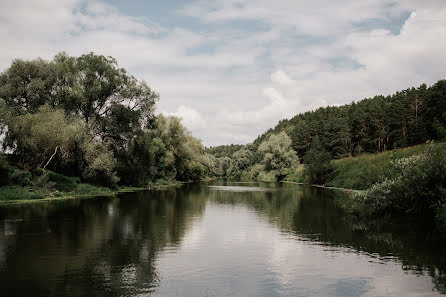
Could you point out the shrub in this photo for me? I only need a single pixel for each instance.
(267, 176)
(20, 177)
(417, 185)
(246, 176)
(61, 182)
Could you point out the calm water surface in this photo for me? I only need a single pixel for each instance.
(220, 239)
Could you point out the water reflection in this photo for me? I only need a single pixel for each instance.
(201, 241)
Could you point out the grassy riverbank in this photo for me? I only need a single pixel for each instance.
(360, 173)
(73, 189)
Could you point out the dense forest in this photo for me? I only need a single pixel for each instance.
(86, 118)
(409, 117)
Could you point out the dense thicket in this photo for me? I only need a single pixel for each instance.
(86, 117)
(417, 185)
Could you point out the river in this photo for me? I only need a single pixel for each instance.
(215, 239)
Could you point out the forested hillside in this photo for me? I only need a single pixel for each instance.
(85, 120)
(406, 118)
(409, 117)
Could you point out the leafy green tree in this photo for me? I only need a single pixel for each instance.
(317, 163)
(27, 85)
(37, 138)
(240, 161)
(278, 156)
(112, 102)
(183, 151)
(144, 160)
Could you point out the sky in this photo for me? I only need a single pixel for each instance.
(231, 69)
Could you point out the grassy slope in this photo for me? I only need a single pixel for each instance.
(359, 173)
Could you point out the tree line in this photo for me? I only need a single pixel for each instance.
(87, 117)
(409, 117)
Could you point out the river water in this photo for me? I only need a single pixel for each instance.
(215, 239)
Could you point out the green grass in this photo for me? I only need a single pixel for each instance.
(20, 193)
(361, 172)
(17, 193)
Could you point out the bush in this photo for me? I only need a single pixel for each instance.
(246, 176)
(20, 177)
(417, 185)
(196, 171)
(267, 176)
(61, 182)
(296, 175)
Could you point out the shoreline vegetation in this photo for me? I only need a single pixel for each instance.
(24, 196)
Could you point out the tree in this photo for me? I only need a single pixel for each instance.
(27, 85)
(183, 151)
(37, 138)
(240, 161)
(317, 161)
(278, 156)
(112, 102)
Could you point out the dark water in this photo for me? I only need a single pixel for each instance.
(224, 240)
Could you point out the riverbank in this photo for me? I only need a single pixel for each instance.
(361, 172)
(345, 190)
(11, 195)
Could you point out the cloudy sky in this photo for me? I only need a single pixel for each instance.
(233, 68)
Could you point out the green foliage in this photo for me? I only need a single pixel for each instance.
(241, 160)
(296, 174)
(406, 118)
(224, 150)
(27, 85)
(60, 182)
(20, 177)
(361, 172)
(144, 161)
(196, 170)
(36, 138)
(85, 116)
(19, 193)
(267, 177)
(278, 156)
(417, 185)
(101, 164)
(317, 163)
(185, 158)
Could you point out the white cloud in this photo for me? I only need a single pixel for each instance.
(281, 77)
(191, 118)
(229, 82)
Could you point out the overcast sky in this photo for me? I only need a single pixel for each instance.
(233, 69)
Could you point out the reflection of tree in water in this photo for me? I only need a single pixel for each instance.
(106, 247)
(314, 214)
